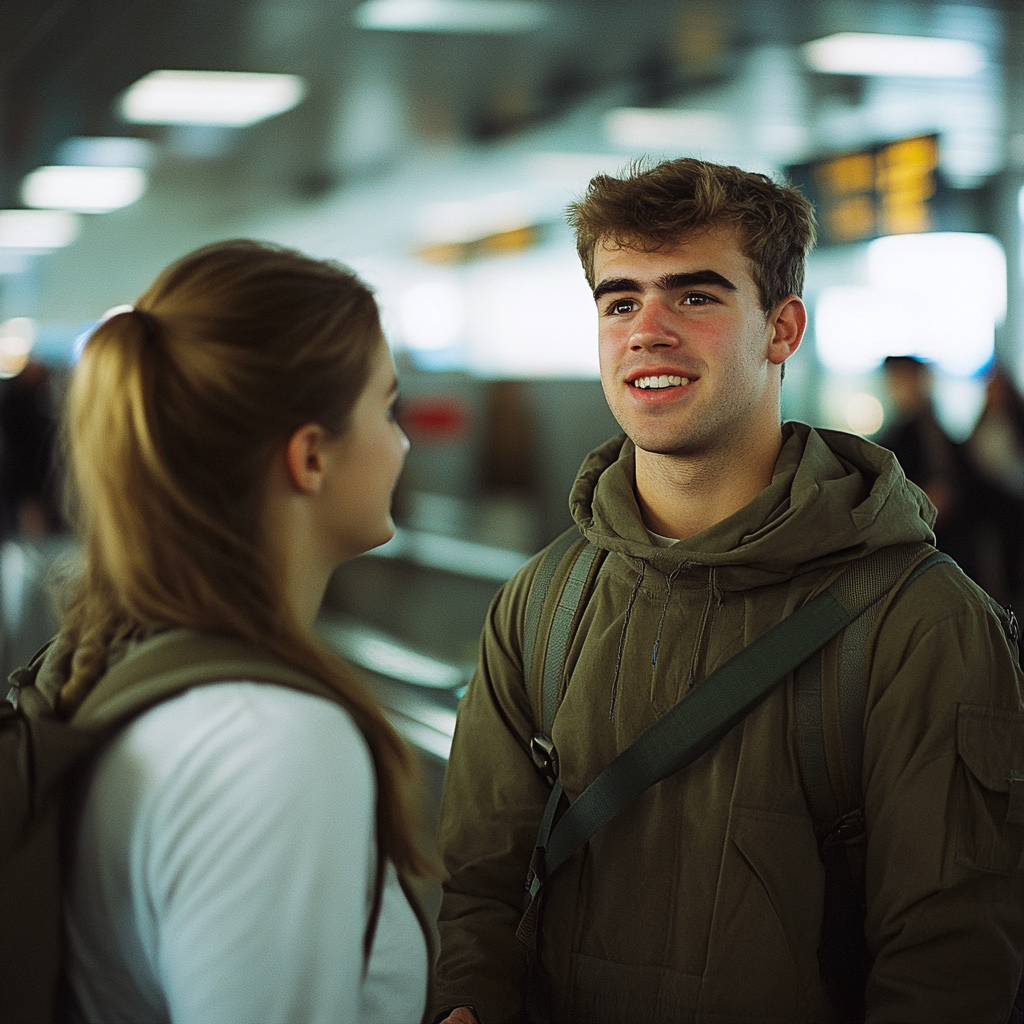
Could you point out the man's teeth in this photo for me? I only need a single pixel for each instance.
(660, 382)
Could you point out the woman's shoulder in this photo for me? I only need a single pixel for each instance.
(277, 750)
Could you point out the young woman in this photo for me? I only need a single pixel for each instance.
(238, 849)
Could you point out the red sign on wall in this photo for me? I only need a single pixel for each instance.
(438, 418)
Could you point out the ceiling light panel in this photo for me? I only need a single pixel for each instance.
(863, 53)
(37, 229)
(232, 98)
(83, 189)
(498, 16)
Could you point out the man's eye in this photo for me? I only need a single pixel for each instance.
(696, 299)
(622, 306)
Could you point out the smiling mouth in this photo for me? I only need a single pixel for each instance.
(664, 381)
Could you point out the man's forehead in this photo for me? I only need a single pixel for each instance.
(713, 242)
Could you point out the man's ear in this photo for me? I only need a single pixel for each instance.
(788, 321)
(304, 457)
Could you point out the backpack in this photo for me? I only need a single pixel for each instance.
(830, 702)
(41, 753)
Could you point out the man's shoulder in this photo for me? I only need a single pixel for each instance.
(943, 593)
(961, 642)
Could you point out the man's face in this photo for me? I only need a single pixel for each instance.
(686, 351)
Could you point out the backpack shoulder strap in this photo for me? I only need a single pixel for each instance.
(556, 600)
(831, 693)
(171, 662)
(831, 697)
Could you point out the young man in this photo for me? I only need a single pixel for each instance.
(703, 900)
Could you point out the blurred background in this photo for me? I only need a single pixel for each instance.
(433, 145)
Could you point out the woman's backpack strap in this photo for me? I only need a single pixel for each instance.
(155, 669)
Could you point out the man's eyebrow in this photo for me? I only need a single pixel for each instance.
(617, 284)
(670, 282)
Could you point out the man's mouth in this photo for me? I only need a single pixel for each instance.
(664, 381)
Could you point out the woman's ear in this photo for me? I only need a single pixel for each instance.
(305, 458)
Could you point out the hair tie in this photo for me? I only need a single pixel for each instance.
(148, 322)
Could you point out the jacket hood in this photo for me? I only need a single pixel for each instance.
(833, 496)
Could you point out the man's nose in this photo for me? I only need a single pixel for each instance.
(653, 327)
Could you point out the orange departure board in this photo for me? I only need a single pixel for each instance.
(888, 189)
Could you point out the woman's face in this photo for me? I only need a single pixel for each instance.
(365, 464)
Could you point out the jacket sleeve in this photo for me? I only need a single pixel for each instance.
(493, 800)
(944, 735)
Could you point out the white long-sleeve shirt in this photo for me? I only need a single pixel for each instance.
(223, 871)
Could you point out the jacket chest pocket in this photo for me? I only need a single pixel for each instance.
(990, 797)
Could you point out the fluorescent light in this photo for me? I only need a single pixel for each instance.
(210, 97)
(83, 189)
(84, 151)
(862, 53)
(506, 16)
(646, 128)
(37, 229)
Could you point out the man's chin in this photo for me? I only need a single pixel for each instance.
(660, 446)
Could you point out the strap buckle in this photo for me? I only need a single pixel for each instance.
(545, 757)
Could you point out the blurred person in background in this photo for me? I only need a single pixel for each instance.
(705, 898)
(929, 457)
(241, 851)
(995, 451)
(30, 491)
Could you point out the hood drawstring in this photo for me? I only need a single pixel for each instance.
(622, 638)
(711, 606)
(669, 580)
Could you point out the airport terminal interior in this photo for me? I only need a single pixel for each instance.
(432, 146)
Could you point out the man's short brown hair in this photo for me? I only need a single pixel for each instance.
(656, 205)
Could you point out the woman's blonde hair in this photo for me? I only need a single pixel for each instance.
(173, 416)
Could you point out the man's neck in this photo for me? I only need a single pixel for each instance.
(680, 495)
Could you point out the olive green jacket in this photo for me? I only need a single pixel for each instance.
(703, 900)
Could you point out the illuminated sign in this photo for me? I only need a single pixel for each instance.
(888, 189)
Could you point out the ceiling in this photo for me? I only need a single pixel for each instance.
(376, 100)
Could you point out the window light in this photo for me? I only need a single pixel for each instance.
(37, 229)
(231, 98)
(863, 53)
(499, 16)
(912, 305)
(83, 189)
